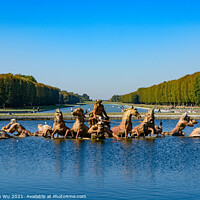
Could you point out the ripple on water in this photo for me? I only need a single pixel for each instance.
(165, 168)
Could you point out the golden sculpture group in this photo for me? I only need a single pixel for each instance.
(99, 126)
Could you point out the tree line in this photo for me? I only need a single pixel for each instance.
(68, 97)
(20, 90)
(183, 91)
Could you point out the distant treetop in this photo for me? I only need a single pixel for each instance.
(28, 77)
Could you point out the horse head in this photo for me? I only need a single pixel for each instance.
(78, 112)
(184, 116)
(132, 111)
(149, 117)
(58, 117)
(189, 121)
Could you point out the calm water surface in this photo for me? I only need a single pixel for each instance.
(165, 168)
(108, 107)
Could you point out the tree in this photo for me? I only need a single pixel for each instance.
(184, 90)
(197, 90)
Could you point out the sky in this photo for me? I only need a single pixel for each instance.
(100, 47)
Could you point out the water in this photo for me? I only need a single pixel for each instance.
(110, 108)
(163, 168)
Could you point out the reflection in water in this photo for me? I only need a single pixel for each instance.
(108, 107)
(141, 150)
(58, 145)
(73, 160)
(127, 159)
(76, 158)
(79, 158)
(96, 157)
(131, 169)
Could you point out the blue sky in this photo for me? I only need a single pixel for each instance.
(100, 47)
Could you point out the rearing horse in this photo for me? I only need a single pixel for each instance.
(126, 125)
(79, 127)
(147, 126)
(59, 126)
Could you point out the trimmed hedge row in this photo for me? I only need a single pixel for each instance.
(185, 90)
(21, 90)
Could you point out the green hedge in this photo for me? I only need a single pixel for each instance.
(68, 97)
(20, 90)
(185, 90)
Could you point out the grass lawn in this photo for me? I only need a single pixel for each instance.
(42, 108)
